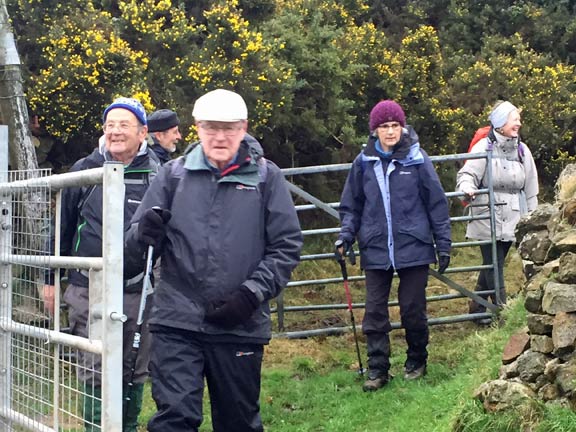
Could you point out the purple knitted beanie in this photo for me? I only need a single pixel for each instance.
(386, 111)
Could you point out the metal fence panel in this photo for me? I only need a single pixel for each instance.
(39, 360)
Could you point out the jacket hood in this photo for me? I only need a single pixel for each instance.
(254, 147)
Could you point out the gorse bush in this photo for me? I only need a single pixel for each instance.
(310, 70)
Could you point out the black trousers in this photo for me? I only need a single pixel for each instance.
(486, 277)
(412, 301)
(179, 363)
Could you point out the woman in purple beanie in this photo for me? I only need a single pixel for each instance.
(394, 205)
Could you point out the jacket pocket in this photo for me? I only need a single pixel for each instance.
(425, 236)
(369, 235)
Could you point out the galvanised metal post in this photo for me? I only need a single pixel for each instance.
(496, 270)
(5, 283)
(112, 304)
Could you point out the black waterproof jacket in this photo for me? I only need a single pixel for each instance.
(240, 229)
(162, 154)
(81, 219)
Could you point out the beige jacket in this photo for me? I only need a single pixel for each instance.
(515, 187)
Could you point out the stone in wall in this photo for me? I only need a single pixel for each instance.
(540, 324)
(541, 343)
(567, 268)
(558, 297)
(500, 395)
(564, 241)
(564, 333)
(534, 246)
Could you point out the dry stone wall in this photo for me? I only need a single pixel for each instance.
(539, 362)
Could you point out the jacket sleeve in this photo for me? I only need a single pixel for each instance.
(470, 176)
(436, 203)
(531, 179)
(283, 239)
(352, 202)
(158, 194)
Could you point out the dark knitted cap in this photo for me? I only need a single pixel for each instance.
(162, 120)
(386, 111)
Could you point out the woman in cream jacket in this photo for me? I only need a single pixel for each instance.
(515, 181)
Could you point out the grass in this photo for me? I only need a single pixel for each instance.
(312, 385)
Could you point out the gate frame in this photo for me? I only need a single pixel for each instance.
(493, 310)
(106, 299)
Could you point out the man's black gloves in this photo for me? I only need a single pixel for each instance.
(234, 310)
(341, 249)
(443, 262)
(152, 226)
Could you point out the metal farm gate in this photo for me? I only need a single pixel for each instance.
(310, 278)
(39, 389)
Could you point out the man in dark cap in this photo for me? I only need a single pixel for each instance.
(163, 128)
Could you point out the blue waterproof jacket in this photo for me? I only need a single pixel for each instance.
(226, 231)
(395, 206)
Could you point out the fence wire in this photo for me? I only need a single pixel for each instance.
(40, 391)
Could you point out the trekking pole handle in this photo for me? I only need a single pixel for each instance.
(352, 256)
(146, 284)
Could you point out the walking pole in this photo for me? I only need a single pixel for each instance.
(146, 290)
(342, 261)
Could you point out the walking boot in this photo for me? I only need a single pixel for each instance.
(92, 408)
(131, 408)
(414, 370)
(416, 354)
(376, 380)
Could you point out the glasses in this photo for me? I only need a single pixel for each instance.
(122, 127)
(227, 130)
(393, 126)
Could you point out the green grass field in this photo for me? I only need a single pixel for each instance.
(312, 385)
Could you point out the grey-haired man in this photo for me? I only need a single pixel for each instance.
(125, 129)
(163, 127)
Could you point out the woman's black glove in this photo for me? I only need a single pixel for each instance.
(443, 262)
(341, 249)
(233, 310)
(152, 226)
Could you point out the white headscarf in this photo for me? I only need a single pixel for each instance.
(499, 115)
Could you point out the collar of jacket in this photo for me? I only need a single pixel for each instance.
(141, 161)
(506, 142)
(244, 170)
(161, 152)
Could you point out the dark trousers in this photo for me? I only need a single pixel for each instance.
(90, 365)
(486, 277)
(179, 363)
(412, 301)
